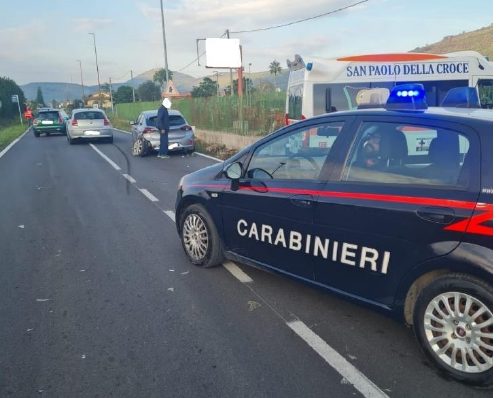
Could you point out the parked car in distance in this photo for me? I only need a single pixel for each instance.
(146, 137)
(89, 124)
(49, 121)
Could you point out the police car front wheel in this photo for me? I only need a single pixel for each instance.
(200, 238)
(453, 322)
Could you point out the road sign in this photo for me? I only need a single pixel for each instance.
(15, 98)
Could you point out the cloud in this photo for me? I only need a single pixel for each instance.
(15, 40)
(90, 24)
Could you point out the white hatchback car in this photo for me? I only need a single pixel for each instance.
(89, 124)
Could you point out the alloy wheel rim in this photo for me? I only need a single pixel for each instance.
(195, 237)
(459, 330)
(137, 147)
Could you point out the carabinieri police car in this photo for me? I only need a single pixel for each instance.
(389, 207)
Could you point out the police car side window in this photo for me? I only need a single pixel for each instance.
(299, 155)
(408, 154)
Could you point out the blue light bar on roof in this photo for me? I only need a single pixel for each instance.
(407, 97)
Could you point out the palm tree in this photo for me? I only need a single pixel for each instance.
(274, 69)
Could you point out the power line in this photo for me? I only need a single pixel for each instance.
(196, 59)
(301, 20)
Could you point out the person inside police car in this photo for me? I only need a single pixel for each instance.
(369, 154)
(163, 126)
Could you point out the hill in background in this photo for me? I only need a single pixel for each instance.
(480, 40)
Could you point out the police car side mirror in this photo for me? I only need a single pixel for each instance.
(233, 171)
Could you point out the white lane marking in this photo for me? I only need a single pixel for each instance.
(237, 272)
(108, 160)
(208, 157)
(13, 143)
(170, 214)
(148, 194)
(365, 386)
(129, 178)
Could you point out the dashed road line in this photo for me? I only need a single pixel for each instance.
(208, 157)
(147, 193)
(365, 386)
(108, 160)
(353, 375)
(129, 178)
(170, 214)
(237, 272)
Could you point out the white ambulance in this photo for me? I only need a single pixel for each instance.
(317, 86)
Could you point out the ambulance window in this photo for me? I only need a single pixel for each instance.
(298, 155)
(486, 92)
(295, 102)
(391, 153)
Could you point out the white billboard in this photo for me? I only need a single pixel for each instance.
(223, 53)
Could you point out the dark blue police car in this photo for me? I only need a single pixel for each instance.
(389, 207)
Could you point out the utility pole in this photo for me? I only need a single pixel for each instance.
(82, 86)
(231, 70)
(98, 73)
(217, 82)
(164, 41)
(111, 99)
(134, 98)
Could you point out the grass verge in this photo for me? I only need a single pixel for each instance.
(10, 133)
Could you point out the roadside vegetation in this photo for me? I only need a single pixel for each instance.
(261, 112)
(9, 132)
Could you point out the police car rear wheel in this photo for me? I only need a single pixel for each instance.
(453, 322)
(200, 238)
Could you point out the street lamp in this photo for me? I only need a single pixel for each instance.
(164, 42)
(82, 86)
(98, 73)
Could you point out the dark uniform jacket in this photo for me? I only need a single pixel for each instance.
(163, 119)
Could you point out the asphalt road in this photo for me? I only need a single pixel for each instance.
(99, 300)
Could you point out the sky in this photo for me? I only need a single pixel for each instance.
(42, 41)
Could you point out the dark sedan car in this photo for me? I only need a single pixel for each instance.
(391, 207)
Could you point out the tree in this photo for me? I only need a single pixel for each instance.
(247, 84)
(160, 76)
(206, 88)
(274, 69)
(149, 91)
(8, 88)
(123, 94)
(39, 97)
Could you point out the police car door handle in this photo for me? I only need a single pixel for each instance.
(302, 200)
(439, 215)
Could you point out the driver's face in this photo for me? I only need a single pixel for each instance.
(371, 150)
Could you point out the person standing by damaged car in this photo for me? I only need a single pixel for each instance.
(163, 126)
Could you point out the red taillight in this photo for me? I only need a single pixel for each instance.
(74, 122)
(106, 122)
(302, 117)
(149, 130)
(186, 128)
(287, 120)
